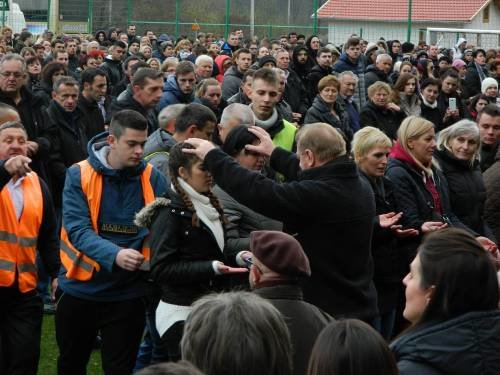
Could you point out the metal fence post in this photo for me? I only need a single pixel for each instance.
(129, 12)
(48, 13)
(3, 11)
(408, 34)
(89, 23)
(177, 17)
(226, 27)
(315, 23)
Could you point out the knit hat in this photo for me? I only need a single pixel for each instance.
(265, 59)
(458, 63)
(370, 48)
(421, 54)
(487, 82)
(280, 252)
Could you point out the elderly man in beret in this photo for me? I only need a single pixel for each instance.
(278, 263)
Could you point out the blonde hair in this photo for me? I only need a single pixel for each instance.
(414, 127)
(169, 61)
(323, 140)
(377, 86)
(367, 139)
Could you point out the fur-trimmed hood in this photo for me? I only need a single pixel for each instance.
(145, 216)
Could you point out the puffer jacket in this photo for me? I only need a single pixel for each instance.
(384, 119)
(467, 191)
(465, 345)
(492, 205)
(172, 94)
(320, 112)
(373, 74)
(231, 82)
(156, 150)
(113, 69)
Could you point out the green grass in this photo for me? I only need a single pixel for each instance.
(49, 351)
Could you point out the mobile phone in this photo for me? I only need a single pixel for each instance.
(498, 100)
(452, 104)
(248, 262)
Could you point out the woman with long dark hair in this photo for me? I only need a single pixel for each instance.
(452, 304)
(188, 238)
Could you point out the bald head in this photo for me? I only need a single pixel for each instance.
(321, 142)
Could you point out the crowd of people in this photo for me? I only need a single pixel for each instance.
(242, 206)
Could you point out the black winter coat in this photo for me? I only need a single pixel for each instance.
(330, 209)
(182, 255)
(114, 71)
(467, 191)
(413, 198)
(43, 92)
(68, 145)
(433, 115)
(295, 93)
(472, 82)
(304, 321)
(128, 102)
(372, 75)
(492, 206)
(320, 112)
(386, 120)
(95, 120)
(313, 78)
(34, 121)
(465, 345)
(387, 275)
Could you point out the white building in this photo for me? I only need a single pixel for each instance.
(372, 19)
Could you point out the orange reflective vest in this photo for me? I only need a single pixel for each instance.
(78, 265)
(18, 238)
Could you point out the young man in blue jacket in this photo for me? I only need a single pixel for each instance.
(102, 286)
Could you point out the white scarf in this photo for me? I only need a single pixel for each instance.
(427, 104)
(205, 211)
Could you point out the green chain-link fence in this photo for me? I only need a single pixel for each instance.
(270, 18)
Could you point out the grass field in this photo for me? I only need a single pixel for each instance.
(49, 351)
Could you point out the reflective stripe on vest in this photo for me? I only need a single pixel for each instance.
(19, 237)
(286, 137)
(78, 265)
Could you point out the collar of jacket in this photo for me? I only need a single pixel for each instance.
(341, 167)
(279, 289)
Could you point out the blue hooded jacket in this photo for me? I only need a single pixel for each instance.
(172, 94)
(122, 199)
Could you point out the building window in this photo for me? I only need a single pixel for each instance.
(486, 14)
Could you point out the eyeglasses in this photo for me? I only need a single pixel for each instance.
(15, 75)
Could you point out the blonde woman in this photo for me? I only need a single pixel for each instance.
(370, 149)
(421, 189)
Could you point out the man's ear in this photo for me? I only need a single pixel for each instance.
(53, 93)
(310, 158)
(191, 130)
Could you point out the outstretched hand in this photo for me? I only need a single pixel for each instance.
(389, 219)
(226, 270)
(201, 147)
